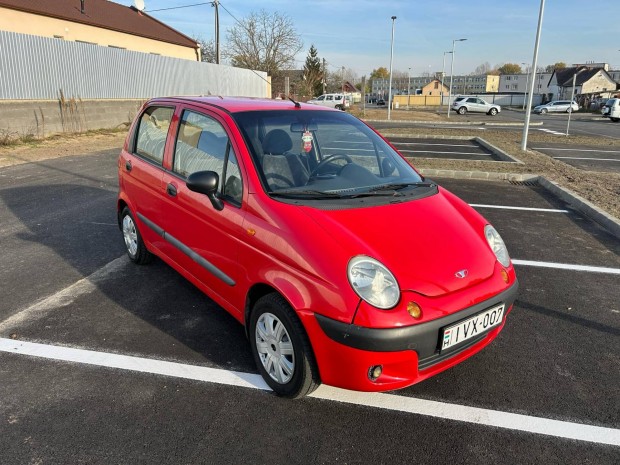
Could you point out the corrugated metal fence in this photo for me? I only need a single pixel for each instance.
(38, 68)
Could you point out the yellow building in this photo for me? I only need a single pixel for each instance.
(99, 22)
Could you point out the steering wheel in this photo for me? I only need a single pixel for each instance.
(327, 160)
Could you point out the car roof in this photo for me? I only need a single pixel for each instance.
(239, 104)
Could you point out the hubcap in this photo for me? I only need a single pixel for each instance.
(275, 348)
(130, 235)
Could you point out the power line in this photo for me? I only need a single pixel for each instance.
(178, 7)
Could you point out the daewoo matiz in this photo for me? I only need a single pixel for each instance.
(345, 265)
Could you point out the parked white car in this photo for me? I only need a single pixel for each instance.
(465, 104)
(339, 101)
(560, 106)
(611, 109)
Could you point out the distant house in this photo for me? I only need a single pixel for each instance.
(99, 22)
(588, 81)
(434, 88)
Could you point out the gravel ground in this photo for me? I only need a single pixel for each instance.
(602, 189)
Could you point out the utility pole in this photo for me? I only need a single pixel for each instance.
(391, 58)
(324, 76)
(217, 31)
(343, 79)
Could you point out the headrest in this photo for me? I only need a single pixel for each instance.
(277, 142)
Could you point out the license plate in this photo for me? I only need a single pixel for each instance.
(472, 327)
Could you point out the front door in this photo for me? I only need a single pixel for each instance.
(201, 239)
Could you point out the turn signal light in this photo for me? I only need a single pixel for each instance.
(414, 310)
(505, 277)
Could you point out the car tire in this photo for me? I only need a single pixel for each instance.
(543, 111)
(136, 250)
(493, 111)
(569, 110)
(281, 348)
(615, 120)
(461, 110)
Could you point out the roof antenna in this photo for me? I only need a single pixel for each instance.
(297, 105)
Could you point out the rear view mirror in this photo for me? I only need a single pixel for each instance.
(301, 127)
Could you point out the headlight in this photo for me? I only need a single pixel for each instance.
(373, 282)
(497, 245)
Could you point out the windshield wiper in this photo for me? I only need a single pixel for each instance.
(305, 194)
(395, 186)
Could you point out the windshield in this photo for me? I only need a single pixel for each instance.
(326, 154)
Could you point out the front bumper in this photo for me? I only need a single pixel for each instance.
(409, 354)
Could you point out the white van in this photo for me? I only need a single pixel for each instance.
(338, 101)
(611, 109)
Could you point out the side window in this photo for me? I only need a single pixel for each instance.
(471, 100)
(322, 97)
(152, 132)
(329, 97)
(203, 145)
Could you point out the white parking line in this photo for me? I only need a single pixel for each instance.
(586, 158)
(529, 209)
(566, 266)
(455, 412)
(422, 143)
(576, 150)
(454, 153)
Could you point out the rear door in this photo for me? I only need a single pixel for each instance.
(201, 239)
(141, 170)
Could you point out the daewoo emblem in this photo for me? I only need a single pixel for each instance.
(461, 274)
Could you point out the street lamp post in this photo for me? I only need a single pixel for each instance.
(526, 125)
(443, 73)
(408, 88)
(452, 73)
(572, 96)
(391, 58)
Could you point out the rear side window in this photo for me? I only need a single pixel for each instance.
(152, 132)
(203, 145)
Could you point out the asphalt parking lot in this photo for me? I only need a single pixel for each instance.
(454, 149)
(585, 157)
(102, 361)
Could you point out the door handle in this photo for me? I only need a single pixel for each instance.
(128, 165)
(171, 189)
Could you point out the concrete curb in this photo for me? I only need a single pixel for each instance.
(583, 206)
(499, 152)
(480, 175)
(578, 203)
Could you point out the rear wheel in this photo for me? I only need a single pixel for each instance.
(461, 111)
(136, 250)
(493, 111)
(282, 349)
(615, 120)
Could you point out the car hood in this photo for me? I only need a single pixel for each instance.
(425, 243)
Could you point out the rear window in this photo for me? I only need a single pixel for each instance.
(151, 133)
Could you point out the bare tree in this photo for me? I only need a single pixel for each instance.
(264, 41)
(207, 50)
(483, 68)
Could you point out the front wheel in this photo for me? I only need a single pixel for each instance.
(281, 348)
(462, 111)
(493, 111)
(569, 110)
(136, 250)
(543, 111)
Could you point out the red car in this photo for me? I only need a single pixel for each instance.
(345, 265)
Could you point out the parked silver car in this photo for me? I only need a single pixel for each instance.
(475, 105)
(565, 106)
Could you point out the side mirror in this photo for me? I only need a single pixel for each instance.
(206, 182)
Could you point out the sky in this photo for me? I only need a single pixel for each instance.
(356, 34)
